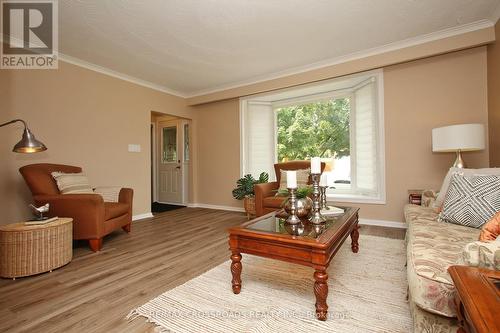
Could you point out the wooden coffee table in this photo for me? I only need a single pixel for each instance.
(305, 244)
(477, 299)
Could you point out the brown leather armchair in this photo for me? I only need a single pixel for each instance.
(92, 217)
(266, 200)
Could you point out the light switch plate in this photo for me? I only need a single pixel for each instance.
(133, 148)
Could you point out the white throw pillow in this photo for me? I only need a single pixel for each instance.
(108, 193)
(72, 183)
(466, 172)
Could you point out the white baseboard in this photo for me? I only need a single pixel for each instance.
(142, 216)
(228, 208)
(171, 203)
(383, 223)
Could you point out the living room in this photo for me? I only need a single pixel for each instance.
(125, 66)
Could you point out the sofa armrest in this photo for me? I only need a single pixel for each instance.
(262, 191)
(87, 211)
(126, 196)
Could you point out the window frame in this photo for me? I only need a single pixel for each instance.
(375, 76)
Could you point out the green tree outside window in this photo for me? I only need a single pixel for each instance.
(314, 129)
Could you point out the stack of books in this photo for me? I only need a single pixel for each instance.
(38, 222)
(332, 210)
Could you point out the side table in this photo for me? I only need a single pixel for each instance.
(477, 299)
(32, 249)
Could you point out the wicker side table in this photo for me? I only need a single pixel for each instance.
(32, 249)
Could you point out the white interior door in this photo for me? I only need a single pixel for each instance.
(170, 189)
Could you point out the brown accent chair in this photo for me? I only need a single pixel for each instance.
(266, 200)
(92, 217)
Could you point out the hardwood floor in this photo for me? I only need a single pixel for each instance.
(96, 291)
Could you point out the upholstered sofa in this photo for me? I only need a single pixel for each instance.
(432, 247)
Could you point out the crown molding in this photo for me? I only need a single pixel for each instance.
(422, 39)
(106, 71)
(495, 16)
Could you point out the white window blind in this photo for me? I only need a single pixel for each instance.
(365, 162)
(259, 137)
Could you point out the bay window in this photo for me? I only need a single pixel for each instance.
(339, 120)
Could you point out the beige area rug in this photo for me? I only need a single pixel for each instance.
(367, 293)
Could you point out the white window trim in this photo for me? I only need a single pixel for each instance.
(243, 148)
(382, 198)
(346, 198)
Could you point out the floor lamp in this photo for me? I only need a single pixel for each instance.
(28, 143)
(458, 139)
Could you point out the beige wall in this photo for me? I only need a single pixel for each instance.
(88, 119)
(494, 98)
(419, 96)
(218, 152)
(85, 119)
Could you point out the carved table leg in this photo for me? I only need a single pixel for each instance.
(236, 272)
(321, 292)
(354, 238)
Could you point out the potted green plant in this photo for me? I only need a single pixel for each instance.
(244, 191)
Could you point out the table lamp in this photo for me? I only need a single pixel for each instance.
(458, 138)
(28, 143)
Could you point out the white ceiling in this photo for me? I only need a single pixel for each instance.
(195, 46)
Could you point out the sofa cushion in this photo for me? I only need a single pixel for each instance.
(481, 254)
(114, 209)
(274, 202)
(471, 200)
(432, 247)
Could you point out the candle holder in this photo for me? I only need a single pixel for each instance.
(316, 216)
(324, 205)
(293, 218)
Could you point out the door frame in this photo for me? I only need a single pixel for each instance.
(185, 167)
(154, 166)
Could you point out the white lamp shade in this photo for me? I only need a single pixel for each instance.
(465, 137)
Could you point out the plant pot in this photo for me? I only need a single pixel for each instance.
(304, 207)
(249, 205)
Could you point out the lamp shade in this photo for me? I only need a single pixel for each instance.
(464, 137)
(28, 144)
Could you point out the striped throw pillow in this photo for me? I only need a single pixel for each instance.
(72, 183)
(109, 193)
(302, 178)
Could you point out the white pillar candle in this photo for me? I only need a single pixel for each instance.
(323, 180)
(330, 180)
(291, 179)
(315, 165)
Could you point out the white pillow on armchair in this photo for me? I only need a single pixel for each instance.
(108, 193)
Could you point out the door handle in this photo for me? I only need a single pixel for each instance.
(177, 167)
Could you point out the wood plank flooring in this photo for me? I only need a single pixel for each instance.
(96, 291)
